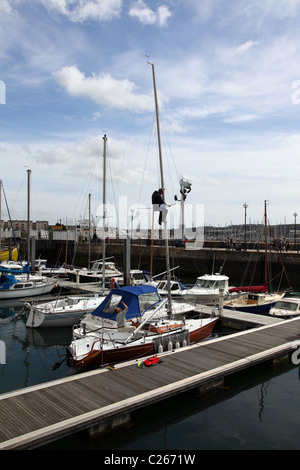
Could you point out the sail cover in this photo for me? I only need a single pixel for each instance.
(262, 288)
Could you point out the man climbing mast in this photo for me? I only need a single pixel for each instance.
(159, 204)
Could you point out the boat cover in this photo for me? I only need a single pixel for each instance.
(26, 270)
(6, 281)
(137, 298)
(262, 288)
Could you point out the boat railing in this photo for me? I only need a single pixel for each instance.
(145, 321)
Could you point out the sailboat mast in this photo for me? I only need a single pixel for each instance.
(266, 246)
(104, 203)
(162, 185)
(89, 239)
(158, 130)
(28, 215)
(0, 218)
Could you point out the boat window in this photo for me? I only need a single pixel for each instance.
(18, 286)
(112, 303)
(206, 283)
(220, 284)
(286, 305)
(138, 276)
(146, 300)
(161, 285)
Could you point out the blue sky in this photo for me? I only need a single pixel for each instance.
(228, 79)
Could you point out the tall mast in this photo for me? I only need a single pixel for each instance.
(104, 202)
(162, 185)
(28, 215)
(89, 258)
(266, 246)
(0, 218)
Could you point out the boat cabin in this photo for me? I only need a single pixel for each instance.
(286, 307)
(212, 281)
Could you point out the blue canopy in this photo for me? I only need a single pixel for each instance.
(137, 299)
(25, 269)
(7, 280)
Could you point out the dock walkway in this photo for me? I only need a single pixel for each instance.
(39, 414)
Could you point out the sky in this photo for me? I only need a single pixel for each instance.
(228, 84)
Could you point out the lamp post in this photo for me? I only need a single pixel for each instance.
(245, 207)
(295, 215)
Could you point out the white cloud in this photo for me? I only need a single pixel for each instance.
(102, 89)
(147, 16)
(163, 14)
(247, 45)
(79, 11)
(5, 7)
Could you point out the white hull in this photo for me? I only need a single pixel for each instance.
(116, 346)
(287, 307)
(61, 313)
(33, 289)
(202, 297)
(253, 303)
(91, 322)
(207, 288)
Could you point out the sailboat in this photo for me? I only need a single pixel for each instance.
(254, 299)
(131, 324)
(147, 329)
(17, 283)
(95, 273)
(61, 312)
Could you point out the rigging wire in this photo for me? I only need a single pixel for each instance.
(134, 113)
(84, 191)
(19, 258)
(146, 159)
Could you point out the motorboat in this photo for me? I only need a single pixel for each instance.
(132, 322)
(137, 277)
(207, 287)
(61, 312)
(11, 265)
(176, 288)
(95, 273)
(287, 307)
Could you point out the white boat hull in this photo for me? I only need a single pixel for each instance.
(54, 314)
(30, 291)
(287, 307)
(111, 347)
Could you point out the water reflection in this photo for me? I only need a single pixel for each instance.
(30, 353)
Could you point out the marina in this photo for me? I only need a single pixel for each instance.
(197, 347)
(123, 343)
(102, 399)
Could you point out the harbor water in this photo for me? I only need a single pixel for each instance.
(256, 409)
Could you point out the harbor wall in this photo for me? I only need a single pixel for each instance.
(244, 267)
